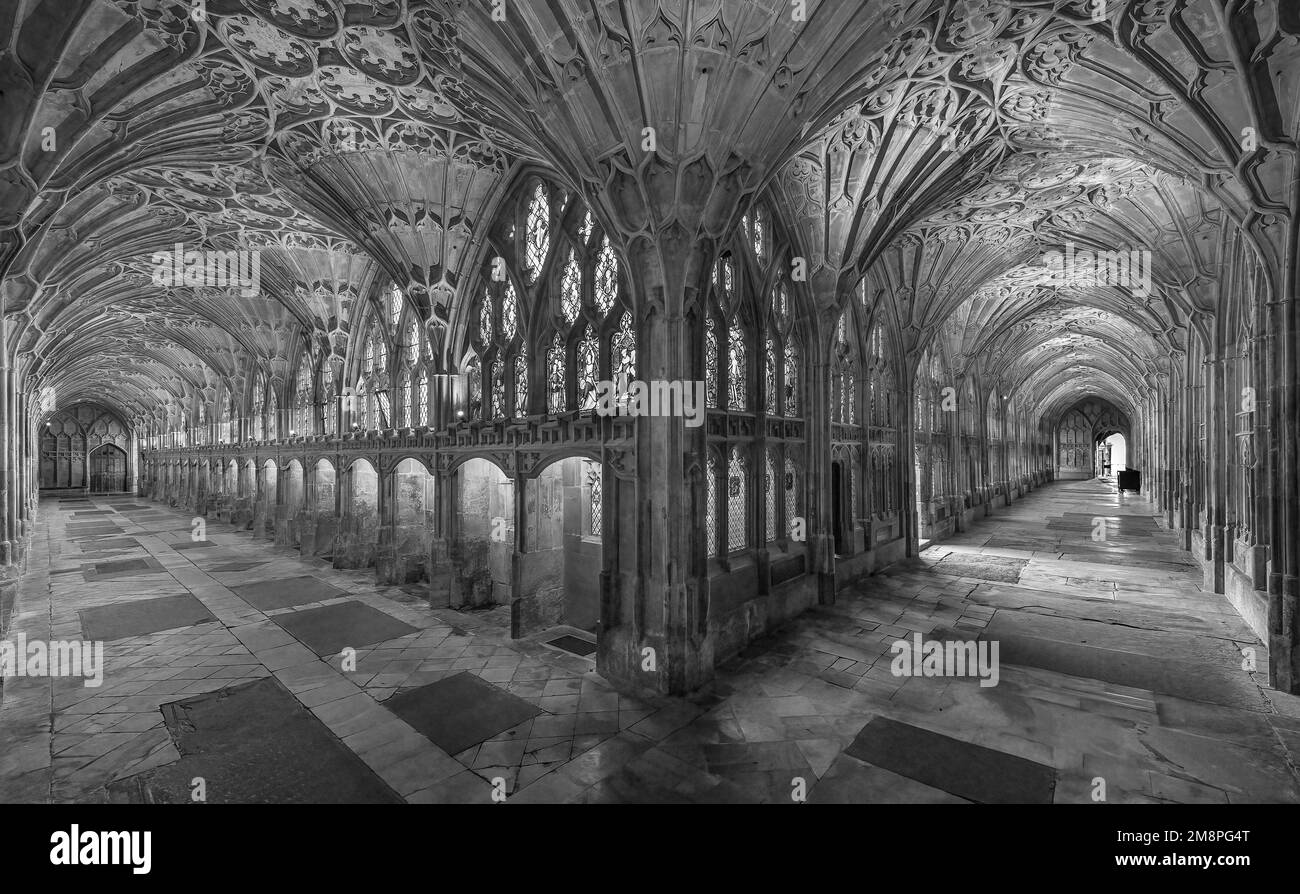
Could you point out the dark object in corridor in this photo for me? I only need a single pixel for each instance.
(1130, 479)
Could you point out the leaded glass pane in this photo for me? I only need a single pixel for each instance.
(791, 494)
(711, 504)
(422, 400)
(407, 409)
(606, 277)
(555, 368)
(737, 368)
(571, 290)
(538, 232)
(474, 376)
(588, 370)
(769, 389)
(791, 381)
(413, 344)
(769, 492)
(623, 350)
(521, 385)
(498, 389)
(395, 306)
(710, 364)
(737, 502)
(509, 311)
(591, 471)
(485, 327)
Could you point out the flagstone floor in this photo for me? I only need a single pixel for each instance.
(1119, 680)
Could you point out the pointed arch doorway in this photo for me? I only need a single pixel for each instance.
(107, 470)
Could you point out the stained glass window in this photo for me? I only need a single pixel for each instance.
(710, 364)
(382, 410)
(737, 502)
(850, 398)
(728, 278)
(591, 472)
(538, 233)
(758, 234)
(485, 326)
(259, 407)
(381, 354)
(711, 504)
(792, 381)
(303, 397)
(394, 306)
(737, 368)
(769, 493)
(363, 407)
(408, 408)
(413, 344)
(422, 400)
(588, 370)
(623, 350)
(791, 494)
(474, 377)
(555, 367)
(571, 289)
(327, 397)
(606, 277)
(498, 389)
(272, 414)
(521, 384)
(769, 388)
(585, 229)
(509, 311)
(370, 355)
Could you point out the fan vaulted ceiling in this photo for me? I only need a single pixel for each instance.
(927, 152)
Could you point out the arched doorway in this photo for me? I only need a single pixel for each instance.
(107, 470)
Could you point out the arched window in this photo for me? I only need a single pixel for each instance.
(394, 307)
(588, 370)
(538, 233)
(328, 398)
(725, 310)
(304, 394)
(521, 384)
(623, 350)
(555, 376)
(737, 500)
(782, 355)
(711, 502)
(844, 373)
(422, 399)
(498, 408)
(259, 407)
(606, 277)
(571, 290)
(474, 387)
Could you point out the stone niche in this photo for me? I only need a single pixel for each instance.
(559, 568)
(483, 551)
(404, 545)
(357, 540)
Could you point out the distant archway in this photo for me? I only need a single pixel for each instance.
(108, 470)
